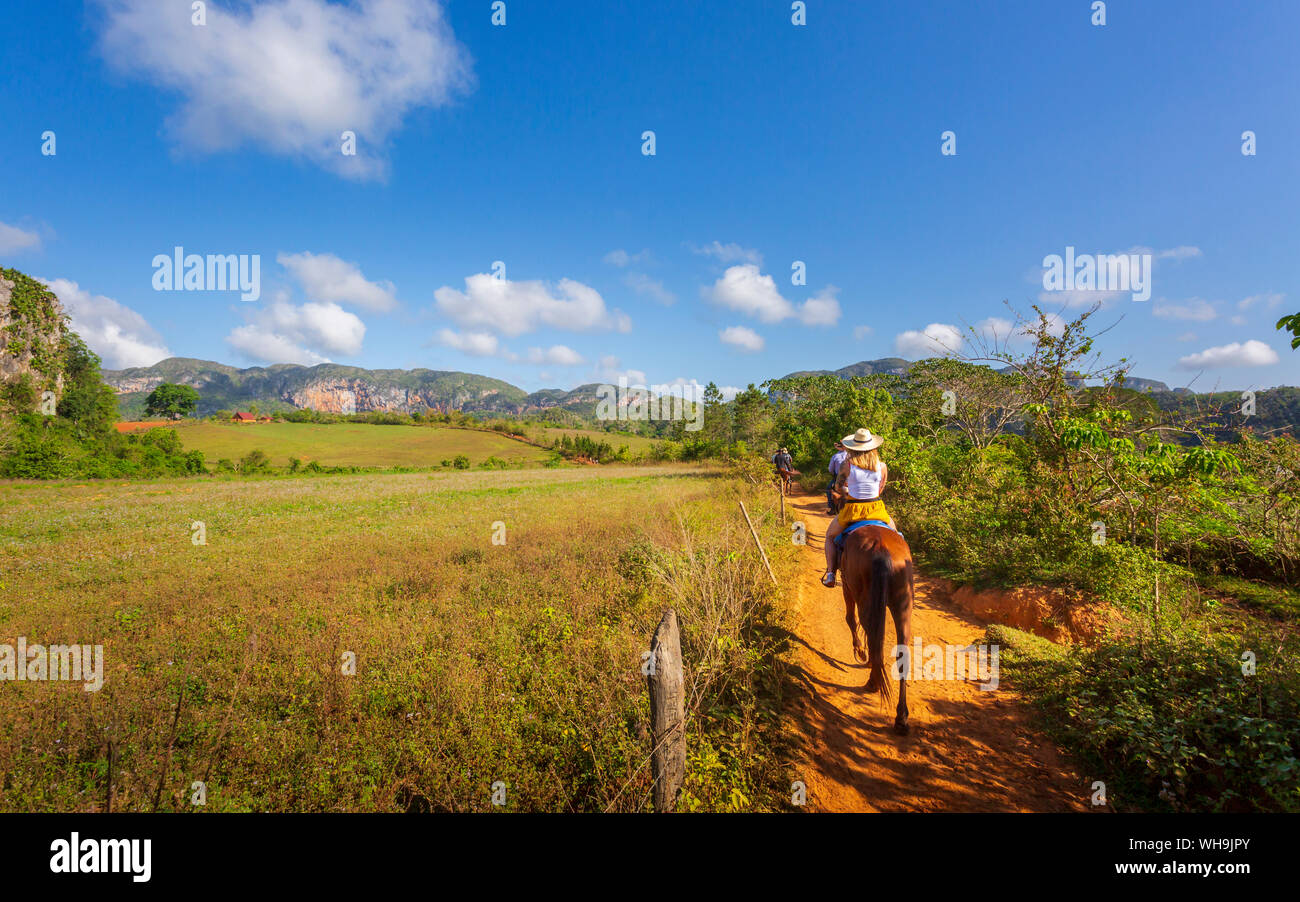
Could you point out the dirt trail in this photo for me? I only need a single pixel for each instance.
(968, 750)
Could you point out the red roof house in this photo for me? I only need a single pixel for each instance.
(242, 417)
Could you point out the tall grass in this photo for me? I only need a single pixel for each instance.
(476, 664)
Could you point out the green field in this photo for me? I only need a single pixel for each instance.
(637, 444)
(353, 444)
(476, 662)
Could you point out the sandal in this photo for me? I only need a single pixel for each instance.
(828, 579)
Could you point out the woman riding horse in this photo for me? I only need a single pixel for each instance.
(858, 485)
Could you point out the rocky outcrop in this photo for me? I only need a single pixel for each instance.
(31, 333)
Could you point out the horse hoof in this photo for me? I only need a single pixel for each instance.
(902, 729)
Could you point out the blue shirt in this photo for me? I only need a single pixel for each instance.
(836, 460)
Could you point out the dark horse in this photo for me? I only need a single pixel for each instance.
(876, 567)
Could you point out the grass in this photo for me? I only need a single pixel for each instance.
(636, 444)
(1279, 601)
(353, 444)
(475, 662)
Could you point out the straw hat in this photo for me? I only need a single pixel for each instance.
(862, 440)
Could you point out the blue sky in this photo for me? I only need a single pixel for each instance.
(774, 143)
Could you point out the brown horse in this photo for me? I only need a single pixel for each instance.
(876, 566)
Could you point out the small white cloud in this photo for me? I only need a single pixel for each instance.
(743, 338)
(746, 290)
(1196, 309)
(306, 333)
(1250, 353)
(730, 253)
(729, 392)
(622, 258)
(643, 284)
(1238, 320)
(1268, 300)
(326, 278)
(938, 339)
(14, 240)
(514, 308)
(1182, 252)
(996, 329)
(861, 332)
(609, 369)
(1079, 297)
(120, 336)
(555, 355)
(477, 344)
(822, 309)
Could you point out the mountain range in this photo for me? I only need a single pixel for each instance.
(346, 389)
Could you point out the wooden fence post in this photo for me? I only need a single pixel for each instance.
(759, 544)
(667, 712)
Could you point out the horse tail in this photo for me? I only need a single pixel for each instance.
(882, 571)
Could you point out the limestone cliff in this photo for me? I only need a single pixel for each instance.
(32, 330)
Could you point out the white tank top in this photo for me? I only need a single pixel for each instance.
(864, 485)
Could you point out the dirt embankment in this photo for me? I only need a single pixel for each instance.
(1062, 615)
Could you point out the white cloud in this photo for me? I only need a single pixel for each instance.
(861, 332)
(1079, 297)
(822, 309)
(1269, 300)
(621, 258)
(119, 335)
(292, 75)
(609, 369)
(1182, 252)
(14, 240)
(477, 344)
(1251, 353)
(306, 333)
(555, 355)
(1196, 309)
(938, 339)
(513, 308)
(267, 347)
(741, 337)
(729, 392)
(326, 278)
(643, 284)
(730, 253)
(746, 290)
(996, 329)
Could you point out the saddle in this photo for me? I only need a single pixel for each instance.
(858, 524)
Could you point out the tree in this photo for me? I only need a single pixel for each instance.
(1291, 324)
(171, 401)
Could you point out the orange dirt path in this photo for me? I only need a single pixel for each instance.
(968, 750)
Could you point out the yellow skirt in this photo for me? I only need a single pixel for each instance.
(863, 510)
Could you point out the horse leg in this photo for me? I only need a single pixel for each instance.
(851, 618)
(901, 608)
